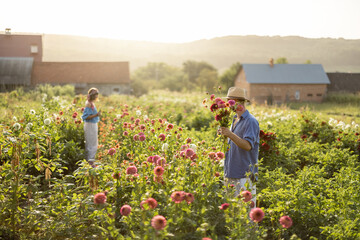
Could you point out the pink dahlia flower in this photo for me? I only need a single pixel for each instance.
(231, 102)
(189, 152)
(189, 197)
(246, 195)
(256, 214)
(152, 203)
(131, 170)
(162, 137)
(161, 162)
(142, 138)
(239, 108)
(224, 206)
(112, 151)
(100, 198)
(286, 221)
(158, 222)
(159, 170)
(116, 175)
(150, 159)
(125, 210)
(178, 196)
(212, 155)
(220, 155)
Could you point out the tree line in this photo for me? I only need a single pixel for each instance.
(192, 76)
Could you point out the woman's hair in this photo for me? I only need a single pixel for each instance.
(92, 94)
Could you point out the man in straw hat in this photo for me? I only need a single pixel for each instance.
(240, 166)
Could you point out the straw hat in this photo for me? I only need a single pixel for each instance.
(237, 93)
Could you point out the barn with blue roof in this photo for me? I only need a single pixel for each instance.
(279, 83)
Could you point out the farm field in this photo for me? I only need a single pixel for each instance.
(170, 184)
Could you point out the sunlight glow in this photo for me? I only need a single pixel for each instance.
(183, 21)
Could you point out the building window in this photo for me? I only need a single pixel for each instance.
(297, 95)
(319, 94)
(309, 95)
(34, 49)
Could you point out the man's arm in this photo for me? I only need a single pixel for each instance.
(241, 143)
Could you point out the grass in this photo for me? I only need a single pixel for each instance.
(345, 112)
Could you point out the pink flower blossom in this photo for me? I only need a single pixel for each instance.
(156, 158)
(189, 152)
(150, 159)
(100, 198)
(218, 117)
(188, 140)
(178, 196)
(159, 170)
(231, 102)
(220, 155)
(131, 170)
(224, 206)
(246, 195)
(162, 137)
(158, 222)
(112, 151)
(125, 133)
(161, 162)
(212, 97)
(256, 214)
(151, 203)
(125, 210)
(136, 137)
(116, 175)
(286, 221)
(239, 108)
(184, 147)
(189, 197)
(212, 155)
(142, 138)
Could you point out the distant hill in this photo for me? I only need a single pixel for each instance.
(339, 55)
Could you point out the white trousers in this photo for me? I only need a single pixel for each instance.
(91, 140)
(242, 184)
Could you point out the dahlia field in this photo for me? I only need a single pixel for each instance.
(159, 172)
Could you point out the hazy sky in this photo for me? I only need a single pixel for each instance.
(183, 20)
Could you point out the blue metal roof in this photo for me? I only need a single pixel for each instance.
(16, 70)
(285, 74)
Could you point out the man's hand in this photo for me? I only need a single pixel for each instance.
(224, 131)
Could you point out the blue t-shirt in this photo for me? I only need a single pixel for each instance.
(89, 111)
(238, 162)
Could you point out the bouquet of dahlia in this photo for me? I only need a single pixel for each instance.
(222, 112)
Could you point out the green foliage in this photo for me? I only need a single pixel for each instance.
(281, 60)
(227, 79)
(309, 170)
(57, 90)
(344, 98)
(157, 76)
(200, 72)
